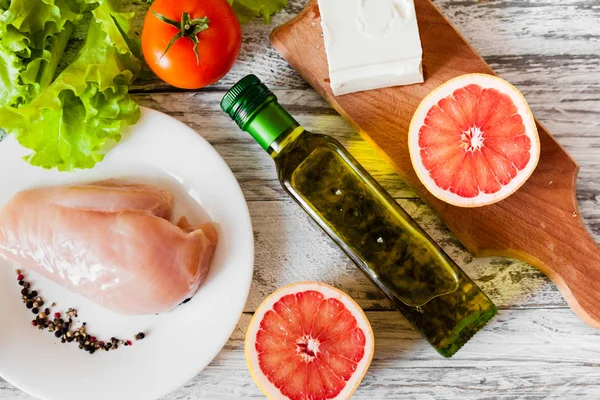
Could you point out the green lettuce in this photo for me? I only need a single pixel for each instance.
(33, 37)
(249, 9)
(70, 121)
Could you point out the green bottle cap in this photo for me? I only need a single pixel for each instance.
(255, 109)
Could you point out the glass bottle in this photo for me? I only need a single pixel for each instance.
(432, 292)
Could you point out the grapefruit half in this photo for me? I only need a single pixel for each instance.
(473, 141)
(309, 341)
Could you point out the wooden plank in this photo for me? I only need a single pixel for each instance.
(291, 248)
(524, 41)
(522, 354)
(580, 136)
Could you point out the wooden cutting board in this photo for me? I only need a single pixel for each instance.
(539, 224)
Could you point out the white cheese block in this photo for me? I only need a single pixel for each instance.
(371, 44)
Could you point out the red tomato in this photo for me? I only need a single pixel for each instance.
(218, 43)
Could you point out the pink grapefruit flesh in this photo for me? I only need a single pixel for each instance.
(473, 141)
(309, 341)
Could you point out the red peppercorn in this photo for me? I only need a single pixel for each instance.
(20, 277)
(57, 315)
(101, 343)
(34, 323)
(128, 343)
(92, 339)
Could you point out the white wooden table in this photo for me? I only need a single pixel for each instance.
(536, 348)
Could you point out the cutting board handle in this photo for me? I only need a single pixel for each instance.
(573, 265)
(539, 224)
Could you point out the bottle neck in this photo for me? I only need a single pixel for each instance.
(269, 125)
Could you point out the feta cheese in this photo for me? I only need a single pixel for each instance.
(371, 44)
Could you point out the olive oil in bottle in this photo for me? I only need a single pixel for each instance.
(432, 292)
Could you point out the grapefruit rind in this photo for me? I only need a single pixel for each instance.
(261, 380)
(447, 89)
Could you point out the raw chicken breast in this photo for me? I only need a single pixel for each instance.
(110, 241)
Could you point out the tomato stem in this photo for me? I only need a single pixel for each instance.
(188, 28)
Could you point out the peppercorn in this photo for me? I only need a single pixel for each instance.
(56, 315)
(42, 315)
(58, 333)
(21, 283)
(36, 304)
(29, 305)
(92, 339)
(69, 339)
(35, 310)
(18, 271)
(34, 293)
(25, 284)
(34, 323)
(20, 277)
(140, 336)
(24, 292)
(47, 311)
(92, 350)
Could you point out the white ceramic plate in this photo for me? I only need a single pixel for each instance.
(179, 343)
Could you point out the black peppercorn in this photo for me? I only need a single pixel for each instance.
(47, 311)
(25, 285)
(21, 283)
(69, 339)
(24, 292)
(34, 293)
(29, 305)
(58, 333)
(35, 310)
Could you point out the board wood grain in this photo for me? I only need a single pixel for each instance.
(539, 224)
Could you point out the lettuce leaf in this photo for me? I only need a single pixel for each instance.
(33, 36)
(69, 123)
(249, 9)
